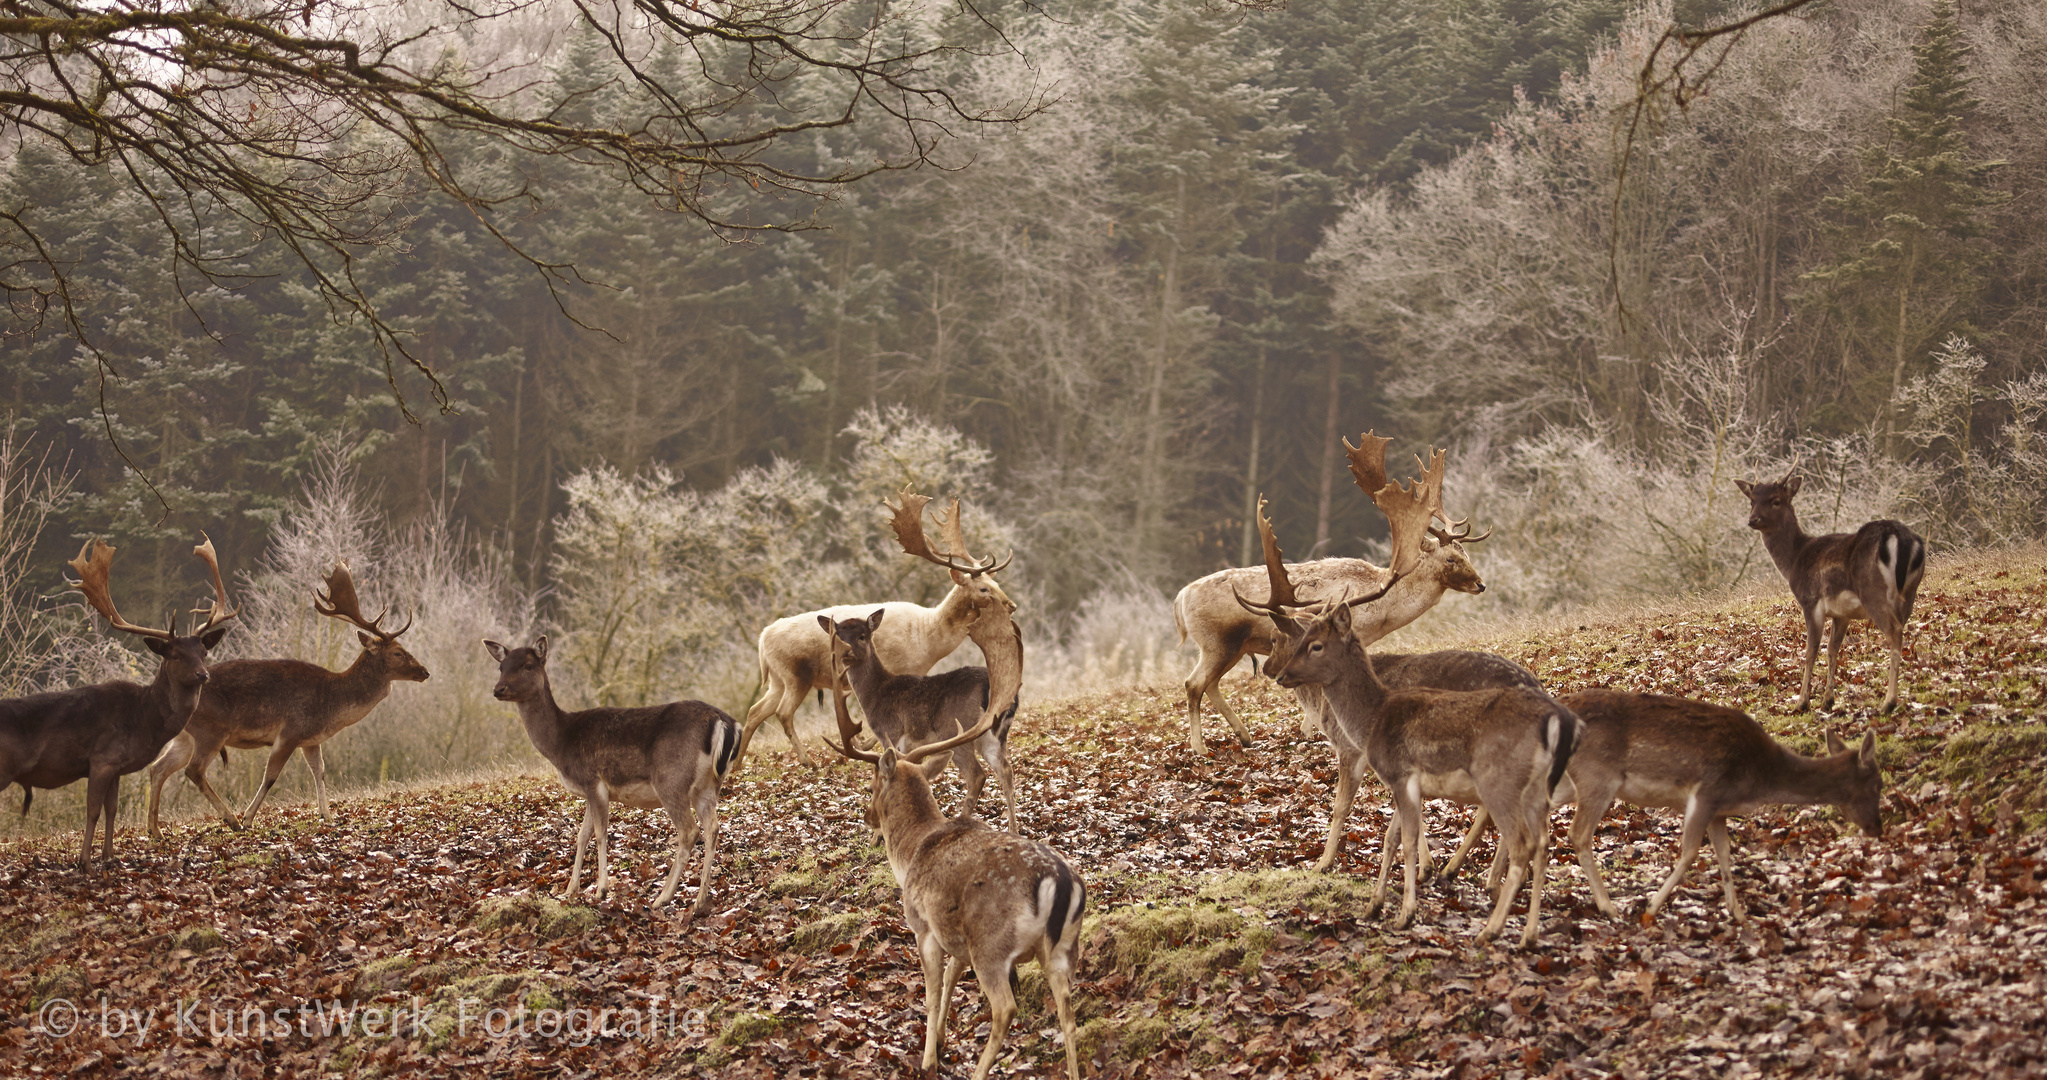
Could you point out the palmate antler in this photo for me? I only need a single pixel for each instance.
(908, 522)
(1283, 604)
(1410, 509)
(95, 562)
(218, 612)
(340, 602)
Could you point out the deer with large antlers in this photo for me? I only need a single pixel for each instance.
(1504, 748)
(795, 656)
(286, 705)
(1872, 573)
(904, 710)
(101, 733)
(1225, 633)
(674, 756)
(974, 897)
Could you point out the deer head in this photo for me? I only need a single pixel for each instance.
(184, 656)
(1865, 783)
(1769, 505)
(522, 673)
(339, 601)
(968, 573)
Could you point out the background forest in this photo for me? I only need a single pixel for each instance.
(1232, 237)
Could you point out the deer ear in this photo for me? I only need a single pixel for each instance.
(830, 630)
(364, 637)
(1867, 757)
(540, 648)
(874, 620)
(212, 638)
(958, 578)
(1834, 743)
(496, 651)
(1340, 619)
(1747, 488)
(1791, 483)
(158, 646)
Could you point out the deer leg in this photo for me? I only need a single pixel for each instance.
(1894, 636)
(973, 775)
(938, 977)
(1001, 1011)
(685, 822)
(997, 754)
(1583, 825)
(176, 754)
(1536, 872)
(1388, 846)
(582, 842)
(196, 771)
(1479, 818)
(601, 807)
(272, 769)
(319, 767)
(1723, 851)
(1057, 978)
(98, 788)
(707, 816)
(1695, 831)
(1346, 790)
(1408, 816)
(1836, 630)
(1515, 872)
(1813, 626)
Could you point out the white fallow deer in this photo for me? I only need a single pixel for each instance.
(795, 655)
(1872, 573)
(973, 896)
(1225, 633)
(286, 705)
(102, 732)
(1709, 763)
(1503, 748)
(674, 756)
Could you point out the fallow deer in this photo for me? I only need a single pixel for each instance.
(102, 732)
(904, 710)
(286, 705)
(1225, 633)
(1504, 748)
(674, 756)
(974, 897)
(795, 656)
(1708, 762)
(1872, 573)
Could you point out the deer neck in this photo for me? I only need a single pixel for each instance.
(866, 674)
(368, 680)
(1792, 778)
(175, 701)
(1786, 541)
(909, 813)
(956, 612)
(1353, 695)
(544, 720)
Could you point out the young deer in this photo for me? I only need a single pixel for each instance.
(1872, 573)
(904, 710)
(101, 733)
(673, 756)
(1503, 748)
(286, 705)
(1225, 633)
(794, 656)
(974, 897)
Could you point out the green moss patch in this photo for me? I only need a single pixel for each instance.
(198, 939)
(1171, 946)
(545, 916)
(829, 931)
(745, 1028)
(2009, 761)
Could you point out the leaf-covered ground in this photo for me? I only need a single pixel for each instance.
(382, 945)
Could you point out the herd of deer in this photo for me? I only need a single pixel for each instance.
(1472, 727)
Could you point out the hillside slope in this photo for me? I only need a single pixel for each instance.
(1210, 951)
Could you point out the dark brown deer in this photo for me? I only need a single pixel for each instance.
(794, 656)
(905, 710)
(1225, 633)
(674, 756)
(286, 705)
(1709, 763)
(974, 897)
(1503, 748)
(1872, 573)
(102, 732)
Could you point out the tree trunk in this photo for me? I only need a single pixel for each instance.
(1329, 456)
(1249, 541)
(1151, 496)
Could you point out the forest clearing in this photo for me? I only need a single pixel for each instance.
(1210, 950)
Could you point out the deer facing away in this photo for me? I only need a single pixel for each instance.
(904, 710)
(1504, 748)
(673, 756)
(1709, 763)
(1872, 573)
(795, 657)
(287, 705)
(1225, 632)
(102, 732)
(974, 897)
